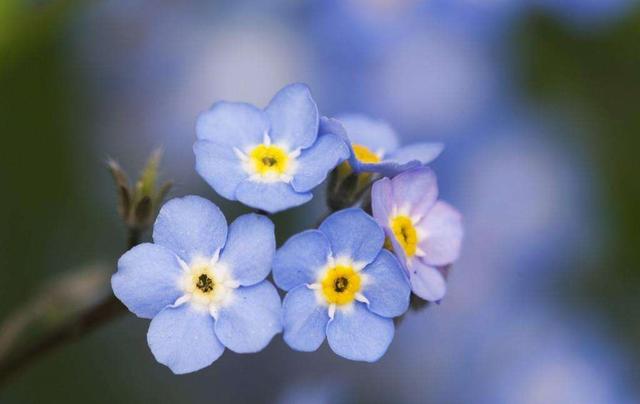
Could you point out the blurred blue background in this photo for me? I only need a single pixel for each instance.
(536, 101)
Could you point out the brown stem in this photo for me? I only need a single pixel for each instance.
(102, 313)
(78, 326)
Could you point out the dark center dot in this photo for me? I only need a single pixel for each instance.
(205, 284)
(269, 161)
(405, 233)
(340, 284)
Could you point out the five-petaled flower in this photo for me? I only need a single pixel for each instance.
(203, 284)
(375, 147)
(426, 234)
(341, 283)
(268, 159)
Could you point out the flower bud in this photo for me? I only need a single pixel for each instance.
(138, 205)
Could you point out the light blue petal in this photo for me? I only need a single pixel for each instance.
(354, 234)
(233, 124)
(272, 197)
(359, 334)
(147, 279)
(251, 245)
(333, 126)
(253, 318)
(425, 153)
(220, 167)
(191, 227)
(387, 287)
(305, 321)
(443, 225)
(416, 190)
(294, 117)
(427, 281)
(375, 134)
(300, 260)
(315, 162)
(184, 339)
(386, 168)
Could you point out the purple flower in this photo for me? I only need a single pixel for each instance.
(426, 234)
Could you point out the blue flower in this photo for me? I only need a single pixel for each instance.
(203, 284)
(426, 234)
(268, 159)
(375, 147)
(341, 284)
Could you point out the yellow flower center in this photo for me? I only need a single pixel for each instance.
(365, 155)
(341, 284)
(406, 234)
(269, 159)
(202, 281)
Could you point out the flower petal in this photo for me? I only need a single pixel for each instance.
(305, 321)
(315, 162)
(399, 252)
(427, 282)
(425, 153)
(191, 227)
(331, 125)
(377, 135)
(294, 117)
(359, 334)
(253, 318)
(387, 287)
(183, 339)
(219, 166)
(415, 191)
(251, 245)
(233, 124)
(387, 168)
(444, 232)
(404, 159)
(270, 196)
(300, 260)
(147, 279)
(353, 234)
(382, 201)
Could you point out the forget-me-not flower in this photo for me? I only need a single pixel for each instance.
(203, 284)
(426, 234)
(343, 285)
(375, 147)
(268, 159)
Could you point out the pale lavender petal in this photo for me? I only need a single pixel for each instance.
(427, 282)
(415, 191)
(443, 235)
(382, 201)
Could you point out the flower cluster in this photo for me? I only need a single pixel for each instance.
(204, 284)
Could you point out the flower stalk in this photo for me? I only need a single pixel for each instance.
(78, 303)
